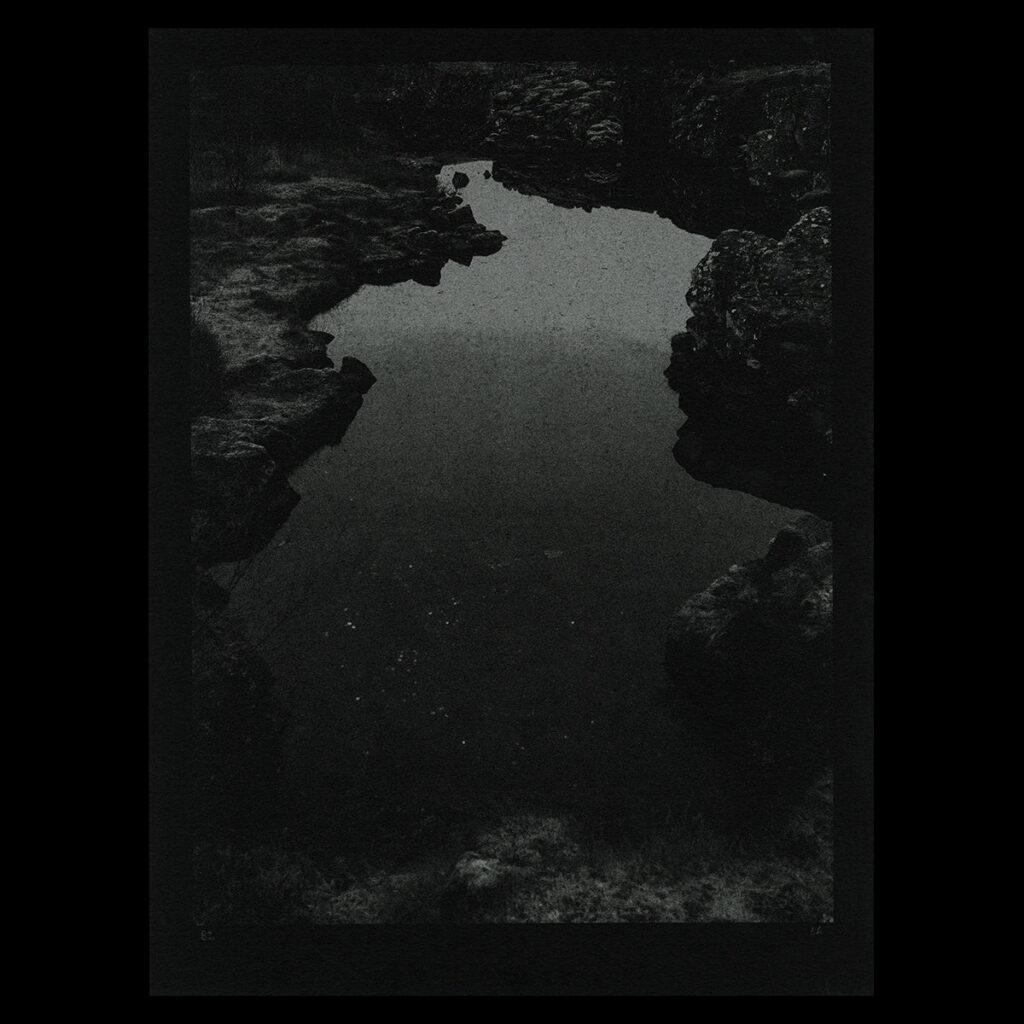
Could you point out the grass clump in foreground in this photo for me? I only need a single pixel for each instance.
(541, 868)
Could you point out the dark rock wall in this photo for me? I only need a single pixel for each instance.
(752, 655)
(747, 145)
(561, 109)
(733, 148)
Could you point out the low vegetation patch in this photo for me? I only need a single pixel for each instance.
(541, 868)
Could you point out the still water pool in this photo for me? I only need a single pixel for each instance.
(468, 607)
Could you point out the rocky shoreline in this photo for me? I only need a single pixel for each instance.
(741, 154)
(752, 655)
(259, 274)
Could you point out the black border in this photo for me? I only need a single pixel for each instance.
(501, 959)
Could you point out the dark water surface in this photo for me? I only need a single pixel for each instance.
(469, 606)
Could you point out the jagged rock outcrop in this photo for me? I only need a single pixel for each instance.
(747, 145)
(558, 133)
(751, 656)
(753, 367)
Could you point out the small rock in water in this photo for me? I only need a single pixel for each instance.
(487, 174)
(817, 197)
(460, 180)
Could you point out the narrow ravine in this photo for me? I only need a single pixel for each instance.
(467, 609)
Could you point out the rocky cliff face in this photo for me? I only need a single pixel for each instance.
(740, 148)
(752, 655)
(753, 367)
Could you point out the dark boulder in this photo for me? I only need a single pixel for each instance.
(460, 215)
(429, 274)
(307, 347)
(425, 240)
(360, 374)
(751, 656)
(460, 180)
(753, 368)
(487, 242)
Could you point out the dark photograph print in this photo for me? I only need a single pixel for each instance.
(518, 419)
